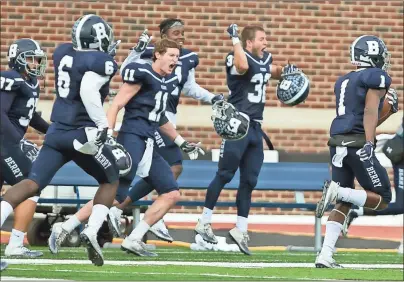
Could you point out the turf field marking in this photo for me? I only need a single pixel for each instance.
(193, 263)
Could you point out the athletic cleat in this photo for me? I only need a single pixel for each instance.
(326, 262)
(3, 265)
(400, 248)
(347, 222)
(136, 247)
(241, 239)
(21, 251)
(57, 237)
(114, 221)
(206, 232)
(93, 249)
(330, 192)
(160, 230)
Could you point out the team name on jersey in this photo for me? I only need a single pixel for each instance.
(13, 166)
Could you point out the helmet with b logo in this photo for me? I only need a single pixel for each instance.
(370, 51)
(92, 32)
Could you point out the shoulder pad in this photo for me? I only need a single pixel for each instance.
(102, 63)
(148, 53)
(190, 56)
(375, 78)
(10, 80)
(131, 73)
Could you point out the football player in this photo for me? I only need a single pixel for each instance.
(248, 68)
(392, 146)
(83, 71)
(173, 29)
(359, 100)
(144, 95)
(19, 96)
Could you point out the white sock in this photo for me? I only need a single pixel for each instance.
(332, 232)
(34, 199)
(97, 217)
(139, 231)
(359, 211)
(206, 215)
(354, 196)
(5, 210)
(16, 238)
(242, 223)
(70, 224)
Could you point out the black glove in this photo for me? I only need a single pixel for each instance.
(218, 97)
(29, 148)
(290, 68)
(144, 40)
(232, 30)
(366, 153)
(392, 98)
(101, 137)
(192, 149)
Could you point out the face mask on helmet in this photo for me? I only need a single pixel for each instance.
(229, 123)
(34, 61)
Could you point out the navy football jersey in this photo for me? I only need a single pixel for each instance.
(25, 101)
(187, 61)
(70, 67)
(350, 91)
(247, 91)
(144, 110)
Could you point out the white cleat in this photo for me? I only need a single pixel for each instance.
(114, 221)
(57, 237)
(21, 251)
(3, 265)
(206, 232)
(160, 230)
(326, 262)
(330, 192)
(136, 247)
(241, 239)
(400, 248)
(89, 238)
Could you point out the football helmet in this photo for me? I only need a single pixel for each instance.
(370, 51)
(228, 122)
(293, 87)
(92, 32)
(122, 157)
(26, 55)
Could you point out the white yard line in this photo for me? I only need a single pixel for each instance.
(193, 263)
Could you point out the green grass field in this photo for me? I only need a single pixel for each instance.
(182, 264)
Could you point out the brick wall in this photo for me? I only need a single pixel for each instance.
(315, 35)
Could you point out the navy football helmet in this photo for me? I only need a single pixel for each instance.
(122, 157)
(26, 55)
(370, 51)
(92, 32)
(293, 87)
(228, 122)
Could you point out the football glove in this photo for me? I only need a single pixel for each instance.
(232, 30)
(218, 97)
(144, 40)
(392, 99)
(29, 148)
(193, 150)
(366, 153)
(290, 68)
(101, 137)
